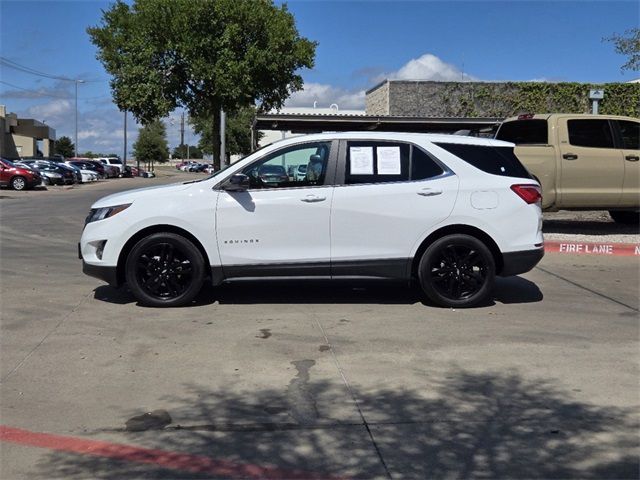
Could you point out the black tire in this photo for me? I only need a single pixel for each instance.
(457, 271)
(18, 183)
(165, 270)
(625, 217)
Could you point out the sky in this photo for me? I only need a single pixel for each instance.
(360, 43)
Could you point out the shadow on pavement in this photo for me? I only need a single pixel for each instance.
(469, 425)
(588, 227)
(507, 290)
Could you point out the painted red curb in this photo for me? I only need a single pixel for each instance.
(592, 248)
(184, 462)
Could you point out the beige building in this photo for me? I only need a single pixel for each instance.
(24, 137)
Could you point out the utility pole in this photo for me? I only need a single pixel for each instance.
(182, 136)
(124, 160)
(76, 144)
(223, 128)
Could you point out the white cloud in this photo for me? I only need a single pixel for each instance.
(427, 67)
(326, 95)
(55, 108)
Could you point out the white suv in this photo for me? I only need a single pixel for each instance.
(449, 211)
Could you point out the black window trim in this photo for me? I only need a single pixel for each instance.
(342, 163)
(611, 131)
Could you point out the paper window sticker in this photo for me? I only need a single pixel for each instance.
(389, 161)
(361, 160)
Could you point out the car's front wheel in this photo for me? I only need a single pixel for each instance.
(18, 183)
(457, 271)
(165, 270)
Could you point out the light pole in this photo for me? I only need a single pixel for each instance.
(76, 144)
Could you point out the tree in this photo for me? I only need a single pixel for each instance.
(151, 145)
(238, 131)
(187, 151)
(65, 147)
(203, 55)
(628, 44)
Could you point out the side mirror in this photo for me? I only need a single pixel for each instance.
(238, 182)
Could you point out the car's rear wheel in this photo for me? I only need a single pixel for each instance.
(625, 217)
(18, 183)
(165, 270)
(457, 271)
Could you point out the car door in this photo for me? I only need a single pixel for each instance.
(280, 225)
(387, 196)
(591, 168)
(629, 138)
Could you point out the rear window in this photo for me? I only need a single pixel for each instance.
(495, 160)
(524, 132)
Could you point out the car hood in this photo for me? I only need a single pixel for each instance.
(130, 196)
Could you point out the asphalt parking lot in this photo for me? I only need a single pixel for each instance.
(309, 380)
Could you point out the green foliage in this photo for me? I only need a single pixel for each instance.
(151, 145)
(628, 44)
(238, 131)
(201, 55)
(65, 147)
(90, 154)
(466, 99)
(187, 151)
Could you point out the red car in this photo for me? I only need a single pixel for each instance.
(18, 178)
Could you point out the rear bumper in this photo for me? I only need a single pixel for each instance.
(515, 263)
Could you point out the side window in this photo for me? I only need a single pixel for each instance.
(376, 162)
(524, 132)
(295, 166)
(590, 133)
(630, 133)
(423, 166)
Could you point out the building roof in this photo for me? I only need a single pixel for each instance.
(313, 123)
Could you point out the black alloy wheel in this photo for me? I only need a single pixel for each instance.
(18, 183)
(457, 271)
(165, 270)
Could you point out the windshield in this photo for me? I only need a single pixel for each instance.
(8, 163)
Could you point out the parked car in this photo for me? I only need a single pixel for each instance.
(450, 212)
(52, 173)
(95, 167)
(17, 177)
(113, 162)
(87, 175)
(300, 172)
(271, 175)
(583, 162)
(47, 177)
(136, 172)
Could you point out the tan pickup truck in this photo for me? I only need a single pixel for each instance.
(583, 162)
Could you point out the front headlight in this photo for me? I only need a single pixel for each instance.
(96, 214)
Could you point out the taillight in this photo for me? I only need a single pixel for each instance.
(529, 193)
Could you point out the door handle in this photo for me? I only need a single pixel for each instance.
(570, 156)
(429, 192)
(632, 158)
(313, 199)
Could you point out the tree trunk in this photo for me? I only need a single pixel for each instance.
(215, 138)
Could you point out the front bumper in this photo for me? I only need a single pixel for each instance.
(107, 274)
(515, 263)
